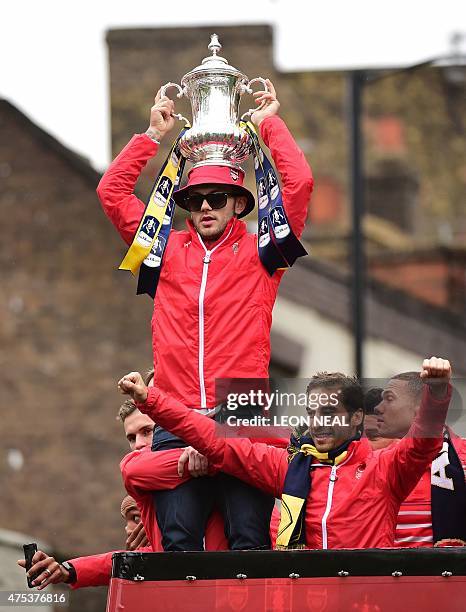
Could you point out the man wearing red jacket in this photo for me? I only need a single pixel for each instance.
(213, 306)
(434, 514)
(336, 491)
(94, 570)
(167, 471)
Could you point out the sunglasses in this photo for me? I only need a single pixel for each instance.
(215, 200)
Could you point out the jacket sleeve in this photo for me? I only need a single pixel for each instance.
(96, 569)
(92, 571)
(404, 463)
(115, 189)
(144, 471)
(460, 447)
(257, 464)
(293, 168)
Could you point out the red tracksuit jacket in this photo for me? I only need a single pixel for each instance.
(95, 570)
(352, 505)
(414, 525)
(211, 320)
(143, 474)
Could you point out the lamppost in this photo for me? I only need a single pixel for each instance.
(358, 260)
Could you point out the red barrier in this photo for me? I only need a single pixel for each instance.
(415, 580)
(371, 594)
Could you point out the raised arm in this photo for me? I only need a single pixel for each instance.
(258, 464)
(115, 189)
(291, 164)
(406, 461)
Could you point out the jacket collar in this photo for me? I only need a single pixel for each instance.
(361, 449)
(358, 451)
(238, 229)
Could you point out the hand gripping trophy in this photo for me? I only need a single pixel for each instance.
(214, 284)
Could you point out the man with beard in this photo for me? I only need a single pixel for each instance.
(336, 491)
(213, 306)
(434, 514)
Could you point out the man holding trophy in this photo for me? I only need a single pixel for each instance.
(214, 284)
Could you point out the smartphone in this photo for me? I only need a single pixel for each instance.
(29, 551)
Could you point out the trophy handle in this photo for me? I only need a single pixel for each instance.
(180, 94)
(247, 89)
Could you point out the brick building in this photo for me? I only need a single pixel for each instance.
(70, 324)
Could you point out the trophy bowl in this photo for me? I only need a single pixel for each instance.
(214, 89)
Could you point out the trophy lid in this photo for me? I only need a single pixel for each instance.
(214, 63)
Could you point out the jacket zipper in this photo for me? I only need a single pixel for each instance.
(201, 328)
(332, 479)
(205, 270)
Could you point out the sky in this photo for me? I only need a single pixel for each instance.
(53, 63)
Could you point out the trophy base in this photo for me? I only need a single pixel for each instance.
(219, 149)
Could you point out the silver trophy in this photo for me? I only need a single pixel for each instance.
(214, 89)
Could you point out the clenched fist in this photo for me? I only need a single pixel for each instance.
(436, 372)
(132, 384)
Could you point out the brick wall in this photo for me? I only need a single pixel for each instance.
(426, 281)
(437, 277)
(70, 325)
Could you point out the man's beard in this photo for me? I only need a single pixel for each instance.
(211, 237)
